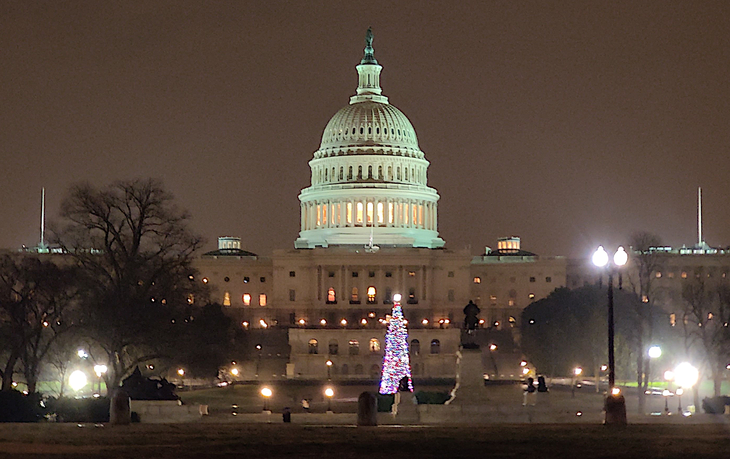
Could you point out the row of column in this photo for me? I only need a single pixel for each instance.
(394, 213)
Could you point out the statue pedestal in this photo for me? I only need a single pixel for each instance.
(469, 387)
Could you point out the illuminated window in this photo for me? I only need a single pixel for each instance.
(672, 319)
(191, 298)
(435, 346)
(331, 297)
(415, 214)
(477, 280)
(349, 213)
(226, 299)
(292, 294)
(262, 299)
(390, 213)
(247, 299)
(381, 216)
(510, 302)
(370, 213)
(420, 215)
(319, 210)
(374, 345)
(339, 210)
(512, 321)
(313, 346)
(371, 294)
(684, 274)
(353, 347)
(358, 216)
(531, 296)
(644, 299)
(411, 274)
(658, 274)
(354, 297)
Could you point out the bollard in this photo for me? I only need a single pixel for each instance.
(120, 409)
(367, 410)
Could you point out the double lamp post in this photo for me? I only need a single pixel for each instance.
(615, 402)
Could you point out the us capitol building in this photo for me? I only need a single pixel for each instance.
(369, 229)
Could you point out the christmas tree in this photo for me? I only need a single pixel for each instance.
(396, 362)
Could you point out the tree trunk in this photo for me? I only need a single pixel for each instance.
(640, 372)
(9, 371)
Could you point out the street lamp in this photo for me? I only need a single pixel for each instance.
(329, 392)
(668, 377)
(577, 371)
(77, 380)
(100, 370)
(266, 392)
(615, 402)
(329, 366)
(686, 376)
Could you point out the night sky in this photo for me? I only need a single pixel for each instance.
(568, 123)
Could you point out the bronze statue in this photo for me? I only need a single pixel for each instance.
(471, 311)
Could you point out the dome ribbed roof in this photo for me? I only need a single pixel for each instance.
(369, 124)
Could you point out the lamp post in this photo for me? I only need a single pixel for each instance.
(686, 376)
(266, 393)
(654, 353)
(329, 367)
(329, 392)
(668, 377)
(99, 370)
(577, 371)
(615, 402)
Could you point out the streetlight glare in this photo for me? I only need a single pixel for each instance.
(100, 370)
(266, 392)
(685, 375)
(577, 371)
(668, 375)
(77, 380)
(181, 372)
(329, 392)
(396, 297)
(655, 352)
(620, 257)
(600, 257)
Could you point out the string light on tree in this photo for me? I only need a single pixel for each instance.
(396, 362)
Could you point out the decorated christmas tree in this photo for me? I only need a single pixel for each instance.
(396, 362)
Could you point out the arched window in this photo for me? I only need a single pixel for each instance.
(370, 213)
(370, 172)
(349, 173)
(406, 177)
(390, 172)
(354, 297)
(415, 347)
(435, 346)
(313, 346)
(359, 172)
(374, 345)
(333, 347)
(345, 370)
(380, 172)
(331, 296)
(226, 299)
(358, 369)
(358, 215)
(353, 347)
(341, 172)
(326, 175)
(397, 173)
(372, 295)
(374, 371)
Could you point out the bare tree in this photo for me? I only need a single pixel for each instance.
(706, 316)
(134, 251)
(34, 296)
(645, 263)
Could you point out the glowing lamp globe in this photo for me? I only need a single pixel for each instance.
(329, 392)
(77, 380)
(655, 352)
(685, 375)
(620, 257)
(600, 257)
(266, 392)
(396, 297)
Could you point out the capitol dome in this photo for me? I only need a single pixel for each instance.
(369, 176)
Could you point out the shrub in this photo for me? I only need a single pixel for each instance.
(715, 405)
(432, 398)
(67, 409)
(18, 407)
(385, 402)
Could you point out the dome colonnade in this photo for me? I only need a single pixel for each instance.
(369, 176)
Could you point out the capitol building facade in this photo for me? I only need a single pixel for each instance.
(369, 230)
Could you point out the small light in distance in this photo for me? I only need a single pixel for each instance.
(615, 391)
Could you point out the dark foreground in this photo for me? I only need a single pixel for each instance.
(296, 441)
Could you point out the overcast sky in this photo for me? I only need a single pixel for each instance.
(568, 123)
